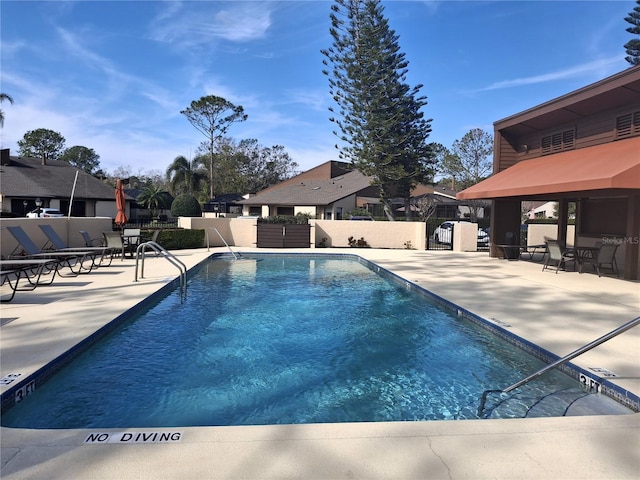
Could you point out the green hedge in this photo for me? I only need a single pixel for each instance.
(176, 239)
(298, 219)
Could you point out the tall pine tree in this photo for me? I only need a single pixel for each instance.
(379, 116)
(632, 47)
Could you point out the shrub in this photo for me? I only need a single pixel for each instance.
(299, 219)
(181, 238)
(362, 243)
(186, 205)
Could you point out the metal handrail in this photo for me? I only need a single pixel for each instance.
(561, 361)
(171, 258)
(225, 242)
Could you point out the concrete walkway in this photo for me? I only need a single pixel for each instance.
(559, 312)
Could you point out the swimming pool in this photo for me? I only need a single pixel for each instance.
(280, 339)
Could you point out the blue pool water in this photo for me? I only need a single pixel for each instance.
(288, 339)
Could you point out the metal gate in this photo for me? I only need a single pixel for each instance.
(436, 243)
(273, 235)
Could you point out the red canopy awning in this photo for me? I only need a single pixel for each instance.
(614, 165)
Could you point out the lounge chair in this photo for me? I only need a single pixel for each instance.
(561, 256)
(604, 257)
(11, 271)
(105, 253)
(74, 260)
(91, 242)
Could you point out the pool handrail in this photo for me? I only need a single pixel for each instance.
(585, 348)
(225, 242)
(171, 258)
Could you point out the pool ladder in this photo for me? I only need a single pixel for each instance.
(160, 251)
(561, 361)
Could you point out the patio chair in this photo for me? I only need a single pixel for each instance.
(114, 240)
(559, 255)
(604, 257)
(105, 253)
(73, 260)
(131, 238)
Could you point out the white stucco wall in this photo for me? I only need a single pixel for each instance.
(465, 237)
(67, 228)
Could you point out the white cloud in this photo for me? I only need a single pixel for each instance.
(594, 67)
(203, 22)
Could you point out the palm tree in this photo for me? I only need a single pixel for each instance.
(153, 198)
(185, 176)
(3, 97)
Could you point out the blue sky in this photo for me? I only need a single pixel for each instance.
(114, 75)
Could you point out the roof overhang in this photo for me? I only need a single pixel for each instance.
(606, 167)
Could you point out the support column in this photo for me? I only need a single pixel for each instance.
(632, 239)
(505, 217)
(563, 215)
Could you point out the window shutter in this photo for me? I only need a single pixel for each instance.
(623, 125)
(627, 125)
(568, 140)
(558, 142)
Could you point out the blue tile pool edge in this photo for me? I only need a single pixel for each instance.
(619, 394)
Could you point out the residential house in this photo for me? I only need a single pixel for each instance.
(23, 180)
(542, 210)
(444, 203)
(583, 147)
(224, 205)
(333, 189)
(328, 191)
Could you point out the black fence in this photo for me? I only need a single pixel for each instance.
(147, 223)
(440, 238)
(434, 242)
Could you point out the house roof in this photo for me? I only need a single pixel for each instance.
(608, 166)
(134, 193)
(27, 177)
(311, 191)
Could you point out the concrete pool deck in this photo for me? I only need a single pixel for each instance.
(559, 312)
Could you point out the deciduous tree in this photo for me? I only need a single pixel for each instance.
(470, 162)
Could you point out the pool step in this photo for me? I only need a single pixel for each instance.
(567, 402)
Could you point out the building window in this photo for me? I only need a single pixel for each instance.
(628, 125)
(558, 142)
(285, 211)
